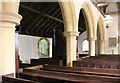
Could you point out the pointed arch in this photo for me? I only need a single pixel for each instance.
(89, 18)
(90, 26)
(69, 16)
(101, 28)
(101, 36)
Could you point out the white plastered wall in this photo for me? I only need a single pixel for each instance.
(112, 32)
(28, 48)
(82, 37)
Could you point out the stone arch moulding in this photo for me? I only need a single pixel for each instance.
(69, 16)
(101, 29)
(89, 18)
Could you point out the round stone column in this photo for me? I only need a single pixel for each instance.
(102, 46)
(70, 46)
(91, 46)
(8, 21)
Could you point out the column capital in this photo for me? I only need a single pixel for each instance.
(9, 18)
(71, 33)
(91, 39)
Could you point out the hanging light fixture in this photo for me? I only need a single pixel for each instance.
(107, 20)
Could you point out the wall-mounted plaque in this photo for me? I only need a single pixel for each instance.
(112, 42)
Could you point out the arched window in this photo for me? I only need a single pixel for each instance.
(85, 45)
(43, 47)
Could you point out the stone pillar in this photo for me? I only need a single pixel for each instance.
(102, 46)
(8, 20)
(119, 42)
(91, 46)
(97, 47)
(71, 46)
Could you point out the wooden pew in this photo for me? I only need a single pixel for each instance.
(49, 61)
(94, 71)
(65, 77)
(113, 58)
(9, 78)
(97, 64)
(61, 75)
(109, 55)
(25, 65)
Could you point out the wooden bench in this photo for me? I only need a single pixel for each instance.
(55, 74)
(7, 79)
(97, 64)
(25, 65)
(49, 61)
(10, 79)
(109, 55)
(114, 58)
(94, 71)
(66, 77)
(102, 58)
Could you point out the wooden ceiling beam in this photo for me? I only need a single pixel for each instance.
(49, 8)
(55, 23)
(38, 25)
(44, 24)
(41, 25)
(37, 18)
(46, 27)
(47, 11)
(40, 13)
(50, 12)
(59, 15)
(55, 27)
(58, 25)
(61, 27)
(56, 12)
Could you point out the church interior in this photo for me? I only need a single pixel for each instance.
(64, 41)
